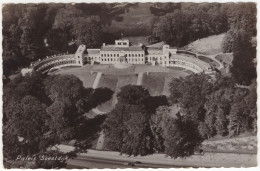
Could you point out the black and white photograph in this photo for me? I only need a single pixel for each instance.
(115, 85)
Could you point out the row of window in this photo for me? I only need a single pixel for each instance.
(123, 43)
(51, 65)
(187, 64)
(156, 58)
(117, 59)
(127, 55)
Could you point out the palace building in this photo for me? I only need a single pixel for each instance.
(157, 54)
(123, 52)
(120, 52)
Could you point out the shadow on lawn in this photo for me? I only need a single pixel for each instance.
(98, 96)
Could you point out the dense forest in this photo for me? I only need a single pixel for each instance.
(141, 124)
(50, 109)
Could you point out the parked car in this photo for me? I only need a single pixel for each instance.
(137, 162)
(129, 164)
(199, 152)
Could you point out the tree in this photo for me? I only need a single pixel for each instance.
(11, 146)
(64, 88)
(158, 126)
(133, 94)
(61, 120)
(238, 118)
(127, 130)
(181, 138)
(28, 122)
(250, 100)
(221, 122)
(190, 93)
(243, 69)
(87, 31)
(228, 42)
(138, 139)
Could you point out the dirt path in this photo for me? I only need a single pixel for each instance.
(140, 78)
(97, 79)
(100, 142)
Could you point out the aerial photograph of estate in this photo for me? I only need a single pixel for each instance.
(129, 85)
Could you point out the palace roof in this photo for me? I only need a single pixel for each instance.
(115, 48)
(93, 51)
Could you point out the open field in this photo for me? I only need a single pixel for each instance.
(209, 46)
(138, 15)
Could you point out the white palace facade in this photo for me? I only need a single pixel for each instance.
(123, 52)
(157, 54)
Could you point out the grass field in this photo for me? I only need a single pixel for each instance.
(137, 15)
(154, 82)
(210, 45)
(111, 83)
(82, 73)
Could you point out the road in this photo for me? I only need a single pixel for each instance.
(109, 159)
(98, 163)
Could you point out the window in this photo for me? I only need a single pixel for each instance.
(117, 55)
(139, 55)
(119, 43)
(101, 55)
(78, 56)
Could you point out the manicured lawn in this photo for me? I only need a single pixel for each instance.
(154, 82)
(108, 82)
(111, 70)
(114, 83)
(82, 73)
(125, 80)
(111, 83)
